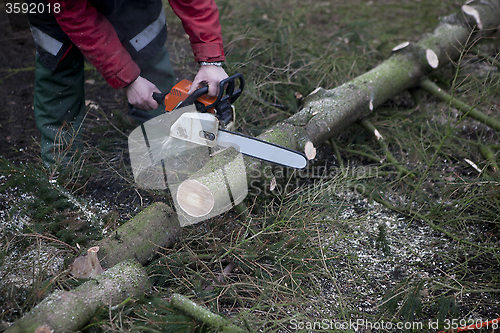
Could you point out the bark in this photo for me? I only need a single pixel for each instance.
(68, 311)
(141, 237)
(326, 113)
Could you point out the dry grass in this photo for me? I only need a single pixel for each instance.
(349, 240)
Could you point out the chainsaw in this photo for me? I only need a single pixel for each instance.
(212, 123)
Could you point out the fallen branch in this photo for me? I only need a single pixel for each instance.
(327, 113)
(368, 126)
(203, 315)
(464, 108)
(68, 311)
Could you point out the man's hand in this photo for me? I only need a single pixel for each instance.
(210, 75)
(140, 94)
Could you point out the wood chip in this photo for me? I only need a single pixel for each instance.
(272, 186)
(474, 165)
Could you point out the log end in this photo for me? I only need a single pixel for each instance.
(310, 150)
(432, 58)
(471, 11)
(44, 329)
(87, 266)
(195, 198)
(400, 46)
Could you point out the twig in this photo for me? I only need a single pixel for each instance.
(466, 109)
(202, 314)
(336, 150)
(368, 126)
(489, 154)
(490, 59)
(51, 239)
(363, 154)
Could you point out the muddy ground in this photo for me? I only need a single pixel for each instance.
(19, 134)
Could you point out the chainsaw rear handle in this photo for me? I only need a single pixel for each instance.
(227, 92)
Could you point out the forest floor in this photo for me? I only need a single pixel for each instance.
(349, 240)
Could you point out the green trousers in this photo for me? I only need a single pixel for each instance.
(59, 102)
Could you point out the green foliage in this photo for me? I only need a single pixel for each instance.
(446, 307)
(51, 207)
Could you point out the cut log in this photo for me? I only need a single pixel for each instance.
(327, 113)
(68, 311)
(141, 237)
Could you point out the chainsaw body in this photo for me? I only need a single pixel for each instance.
(221, 105)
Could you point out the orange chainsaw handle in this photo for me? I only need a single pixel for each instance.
(172, 103)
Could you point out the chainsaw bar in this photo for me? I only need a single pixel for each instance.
(263, 150)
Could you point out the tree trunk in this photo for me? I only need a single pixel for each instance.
(68, 311)
(327, 113)
(141, 237)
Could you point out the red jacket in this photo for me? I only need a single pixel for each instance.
(94, 35)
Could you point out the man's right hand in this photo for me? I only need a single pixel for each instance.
(140, 94)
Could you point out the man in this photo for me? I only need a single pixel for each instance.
(124, 40)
